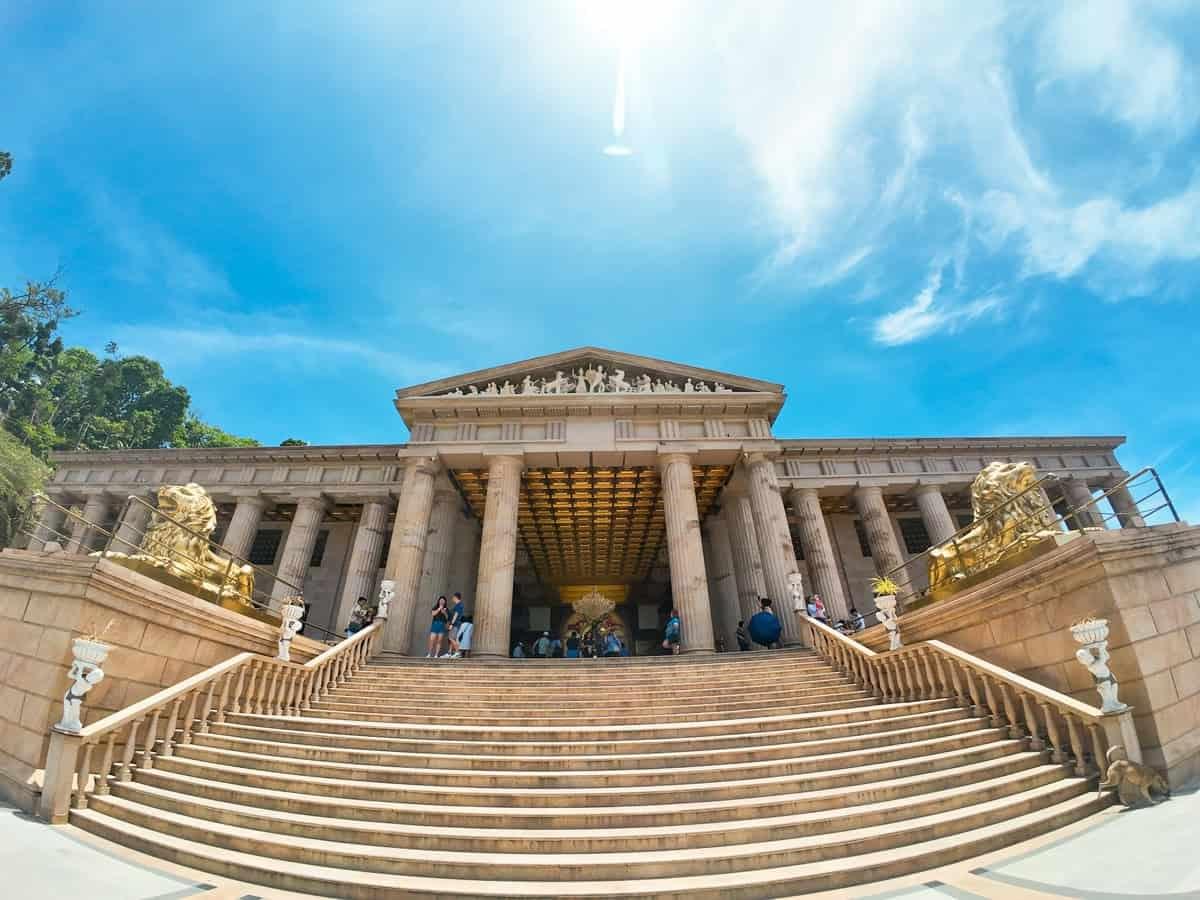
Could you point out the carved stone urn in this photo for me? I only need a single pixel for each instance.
(85, 674)
(1093, 655)
(885, 604)
(290, 614)
(1090, 631)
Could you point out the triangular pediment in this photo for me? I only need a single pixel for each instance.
(589, 370)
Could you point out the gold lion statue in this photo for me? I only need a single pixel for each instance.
(183, 556)
(1001, 528)
(1134, 783)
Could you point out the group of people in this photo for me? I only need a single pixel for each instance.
(854, 622)
(453, 624)
(593, 645)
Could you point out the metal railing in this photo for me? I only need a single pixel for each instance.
(1153, 506)
(1070, 731)
(127, 535)
(133, 738)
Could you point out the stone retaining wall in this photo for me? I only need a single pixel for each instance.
(160, 636)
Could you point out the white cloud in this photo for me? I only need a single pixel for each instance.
(924, 316)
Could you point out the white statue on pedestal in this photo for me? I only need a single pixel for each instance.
(885, 607)
(796, 589)
(291, 613)
(1093, 656)
(85, 674)
(387, 590)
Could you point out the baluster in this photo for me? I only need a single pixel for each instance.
(106, 764)
(168, 747)
(1010, 711)
(235, 705)
(1058, 752)
(323, 681)
(977, 708)
(226, 687)
(151, 740)
(273, 691)
(293, 688)
(935, 687)
(1031, 723)
(252, 707)
(82, 775)
(994, 708)
(189, 720)
(130, 749)
(1076, 745)
(1097, 745)
(960, 691)
(912, 687)
(208, 705)
(894, 677)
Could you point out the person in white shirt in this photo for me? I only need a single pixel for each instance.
(465, 630)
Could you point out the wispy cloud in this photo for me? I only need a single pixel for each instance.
(925, 316)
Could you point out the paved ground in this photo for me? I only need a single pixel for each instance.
(1149, 853)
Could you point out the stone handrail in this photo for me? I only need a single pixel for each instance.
(245, 683)
(1048, 721)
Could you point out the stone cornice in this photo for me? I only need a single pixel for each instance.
(860, 446)
(220, 455)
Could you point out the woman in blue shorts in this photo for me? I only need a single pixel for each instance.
(437, 629)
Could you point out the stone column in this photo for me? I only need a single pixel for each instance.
(50, 526)
(685, 553)
(497, 557)
(938, 521)
(719, 562)
(819, 553)
(406, 554)
(247, 516)
(95, 511)
(298, 548)
(364, 558)
(1123, 504)
(435, 568)
(132, 527)
(464, 561)
(747, 563)
(885, 549)
(1079, 497)
(774, 540)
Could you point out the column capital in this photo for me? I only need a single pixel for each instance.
(314, 500)
(757, 457)
(868, 490)
(674, 454)
(926, 488)
(429, 464)
(249, 496)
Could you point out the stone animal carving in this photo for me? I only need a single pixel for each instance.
(177, 549)
(1001, 528)
(1135, 784)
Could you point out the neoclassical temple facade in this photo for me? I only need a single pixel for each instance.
(524, 485)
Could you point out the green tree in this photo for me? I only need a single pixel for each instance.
(21, 476)
(293, 442)
(5, 164)
(194, 432)
(29, 346)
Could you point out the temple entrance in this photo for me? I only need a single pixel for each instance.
(590, 536)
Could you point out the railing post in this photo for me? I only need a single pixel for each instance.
(1076, 745)
(1058, 753)
(105, 773)
(130, 750)
(1031, 723)
(61, 762)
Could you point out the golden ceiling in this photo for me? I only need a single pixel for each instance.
(581, 525)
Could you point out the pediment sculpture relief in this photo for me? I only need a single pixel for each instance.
(593, 379)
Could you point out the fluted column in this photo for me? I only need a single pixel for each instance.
(95, 512)
(364, 558)
(50, 526)
(497, 556)
(747, 562)
(819, 554)
(298, 548)
(435, 570)
(1123, 504)
(464, 561)
(877, 523)
(938, 521)
(132, 527)
(774, 540)
(719, 561)
(685, 552)
(406, 554)
(247, 516)
(1079, 497)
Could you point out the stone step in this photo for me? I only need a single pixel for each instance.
(703, 771)
(562, 760)
(279, 734)
(674, 810)
(558, 671)
(455, 793)
(485, 716)
(579, 676)
(713, 662)
(591, 840)
(574, 732)
(772, 881)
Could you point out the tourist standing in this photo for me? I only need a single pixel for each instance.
(437, 628)
(541, 648)
(612, 644)
(765, 627)
(821, 615)
(743, 639)
(463, 642)
(457, 612)
(573, 644)
(518, 650)
(673, 634)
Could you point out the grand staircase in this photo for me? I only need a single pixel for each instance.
(743, 775)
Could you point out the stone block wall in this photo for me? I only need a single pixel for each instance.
(1145, 581)
(160, 636)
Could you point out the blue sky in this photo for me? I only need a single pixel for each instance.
(922, 218)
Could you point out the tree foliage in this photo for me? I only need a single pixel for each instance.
(21, 476)
(5, 164)
(293, 442)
